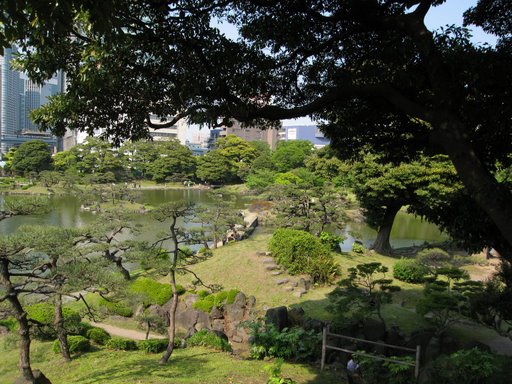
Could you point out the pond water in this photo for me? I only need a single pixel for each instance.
(407, 229)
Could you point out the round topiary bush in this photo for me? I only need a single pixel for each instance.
(98, 335)
(410, 271)
(152, 345)
(153, 292)
(301, 252)
(115, 308)
(76, 344)
(43, 316)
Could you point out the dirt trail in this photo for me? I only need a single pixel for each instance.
(126, 333)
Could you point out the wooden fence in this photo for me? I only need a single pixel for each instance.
(325, 347)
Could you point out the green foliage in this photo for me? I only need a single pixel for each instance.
(471, 366)
(153, 292)
(410, 271)
(76, 344)
(260, 179)
(98, 335)
(206, 338)
(294, 343)
(10, 323)
(361, 294)
(376, 371)
(274, 371)
(358, 248)
(120, 344)
(152, 345)
(31, 156)
(43, 314)
(301, 252)
(115, 307)
(331, 240)
(207, 301)
(291, 154)
(434, 258)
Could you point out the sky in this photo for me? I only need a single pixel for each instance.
(448, 13)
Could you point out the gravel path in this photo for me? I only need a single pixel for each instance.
(126, 333)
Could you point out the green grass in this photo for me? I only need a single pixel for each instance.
(186, 366)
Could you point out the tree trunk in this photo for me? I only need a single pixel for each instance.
(148, 327)
(23, 326)
(62, 335)
(118, 261)
(381, 244)
(171, 331)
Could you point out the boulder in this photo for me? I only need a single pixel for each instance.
(278, 317)
(218, 325)
(303, 283)
(296, 316)
(313, 324)
(374, 330)
(268, 260)
(271, 267)
(189, 300)
(299, 292)
(220, 334)
(251, 302)
(216, 313)
(203, 321)
(240, 300)
(282, 281)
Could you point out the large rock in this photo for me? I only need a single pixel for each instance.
(303, 283)
(240, 300)
(278, 317)
(190, 300)
(216, 313)
(296, 316)
(374, 330)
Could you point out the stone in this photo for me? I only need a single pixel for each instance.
(203, 320)
(268, 253)
(303, 283)
(269, 260)
(220, 334)
(282, 281)
(278, 317)
(260, 253)
(298, 293)
(296, 316)
(288, 288)
(240, 300)
(216, 313)
(251, 302)
(218, 325)
(276, 273)
(374, 330)
(189, 300)
(294, 284)
(271, 267)
(313, 324)
(237, 339)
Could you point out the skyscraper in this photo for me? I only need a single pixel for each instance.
(18, 97)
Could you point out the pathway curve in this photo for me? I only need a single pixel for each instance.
(126, 333)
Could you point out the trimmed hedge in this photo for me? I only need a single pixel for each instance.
(115, 308)
(206, 338)
(301, 252)
(120, 344)
(153, 292)
(43, 314)
(98, 335)
(153, 345)
(410, 271)
(76, 344)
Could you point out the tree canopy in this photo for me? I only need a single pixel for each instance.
(31, 156)
(360, 65)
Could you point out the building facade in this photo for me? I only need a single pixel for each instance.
(18, 97)
(310, 133)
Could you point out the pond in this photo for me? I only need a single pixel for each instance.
(408, 230)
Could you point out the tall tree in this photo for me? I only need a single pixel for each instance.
(32, 156)
(334, 57)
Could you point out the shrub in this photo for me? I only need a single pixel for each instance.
(206, 303)
(10, 323)
(410, 271)
(375, 371)
(152, 345)
(98, 335)
(115, 308)
(331, 240)
(153, 292)
(301, 252)
(358, 248)
(471, 366)
(43, 314)
(76, 344)
(274, 371)
(291, 343)
(206, 338)
(120, 344)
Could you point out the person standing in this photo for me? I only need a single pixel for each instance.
(352, 370)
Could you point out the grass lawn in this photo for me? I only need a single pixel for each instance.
(186, 366)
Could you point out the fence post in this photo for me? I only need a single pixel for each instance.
(324, 344)
(417, 368)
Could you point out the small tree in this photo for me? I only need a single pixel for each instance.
(32, 156)
(24, 205)
(362, 293)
